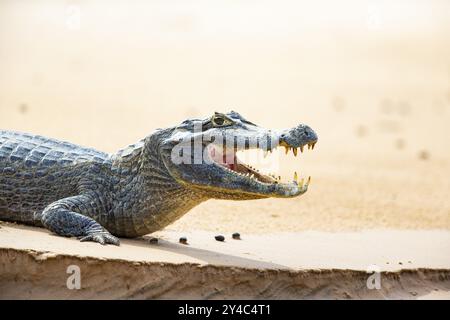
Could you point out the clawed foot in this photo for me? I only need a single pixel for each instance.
(101, 237)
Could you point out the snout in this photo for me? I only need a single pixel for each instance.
(299, 136)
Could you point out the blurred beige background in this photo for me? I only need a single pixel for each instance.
(371, 77)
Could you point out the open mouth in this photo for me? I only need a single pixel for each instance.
(229, 161)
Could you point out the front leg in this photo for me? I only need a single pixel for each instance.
(65, 217)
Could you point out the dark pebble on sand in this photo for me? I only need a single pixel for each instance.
(236, 236)
(153, 240)
(183, 240)
(220, 238)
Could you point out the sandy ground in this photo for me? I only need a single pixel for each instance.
(373, 80)
(312, 265)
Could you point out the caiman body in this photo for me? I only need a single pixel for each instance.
(82, 192)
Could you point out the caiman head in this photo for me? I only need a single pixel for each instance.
(202, 154)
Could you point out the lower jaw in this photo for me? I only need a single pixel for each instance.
(285, 190)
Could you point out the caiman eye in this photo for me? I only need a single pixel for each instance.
(221, 121)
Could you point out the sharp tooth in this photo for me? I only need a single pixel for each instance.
(302, 181)
(314, 144)
(309, 146)
(286, 149)
(265, 153)
(295, 176)
(309, 180)
(301, 148)
(294, 150)
(279, 178)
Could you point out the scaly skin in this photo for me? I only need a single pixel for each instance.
(81, 192)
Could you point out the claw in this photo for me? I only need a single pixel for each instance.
(110, 239)
(99, 239)
(87, 238)
(102, 238)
